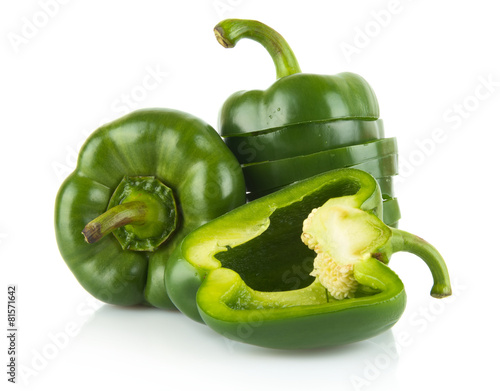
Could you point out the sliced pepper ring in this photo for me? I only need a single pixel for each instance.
(379, 158)
(391, 213)
(302, 139)
(386, 185)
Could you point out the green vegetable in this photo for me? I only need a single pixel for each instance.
(150, 178)
(249, 276)
(302, 139)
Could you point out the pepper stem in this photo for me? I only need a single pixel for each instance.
(230, 31)
(133, 212)
(404, 241)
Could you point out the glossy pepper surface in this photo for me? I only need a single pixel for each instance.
(267, 272)
(378, 158)
(302, 139)
(150, 178)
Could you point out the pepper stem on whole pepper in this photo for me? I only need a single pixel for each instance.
(142, 214)
(133, 212)
(230, 31)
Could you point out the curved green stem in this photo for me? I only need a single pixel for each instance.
(133, 212)
(404, 241)
(230, 31)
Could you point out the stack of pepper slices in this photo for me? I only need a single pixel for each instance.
(167, 221)
(304, 124)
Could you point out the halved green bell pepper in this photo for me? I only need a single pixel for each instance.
(247, 274)
(150, 177)
(302, 139)
(295, 97)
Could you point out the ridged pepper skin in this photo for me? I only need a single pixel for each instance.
(247, 274)
(179, 150)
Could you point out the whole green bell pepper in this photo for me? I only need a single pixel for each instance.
(295, 97)
(304, 267)
(150, 177)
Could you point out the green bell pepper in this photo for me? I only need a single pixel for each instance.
(302, 139)
(295, 97)
(250, 276)
(150, 177)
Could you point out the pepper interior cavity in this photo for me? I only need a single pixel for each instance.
(277, 259)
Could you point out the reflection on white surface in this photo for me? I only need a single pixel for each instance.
(137, 346)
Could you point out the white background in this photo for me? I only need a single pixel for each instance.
(68, 66)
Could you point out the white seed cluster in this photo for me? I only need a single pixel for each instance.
(337, 279)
